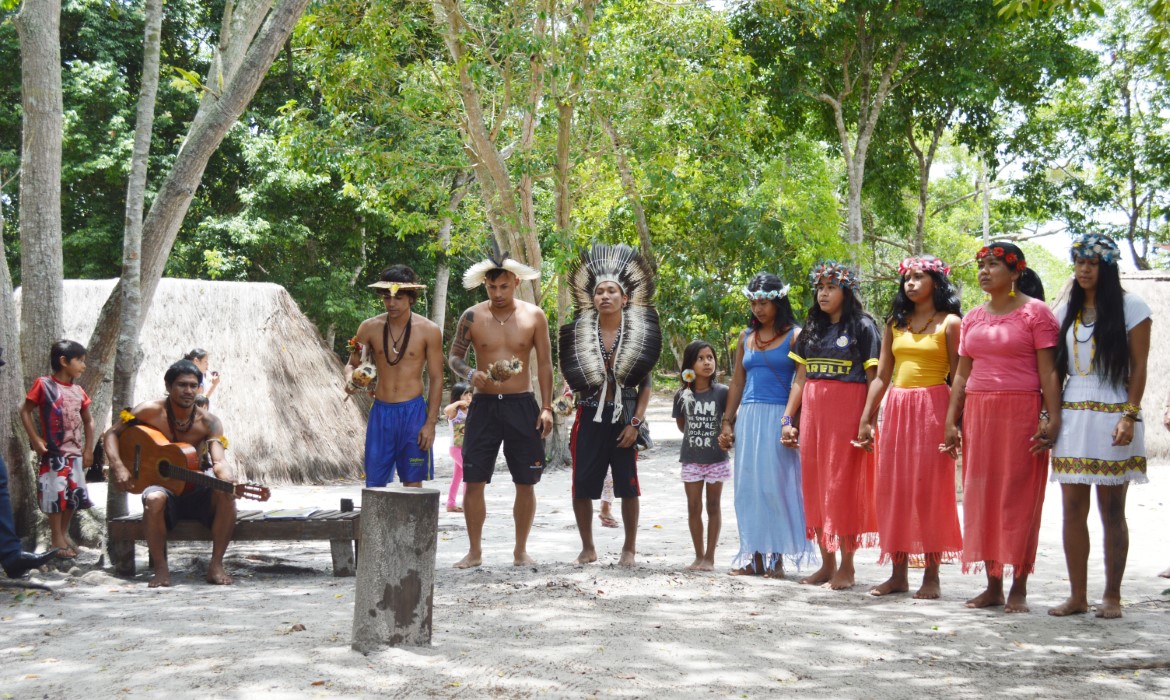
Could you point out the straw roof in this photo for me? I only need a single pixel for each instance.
(1154, 287)
(280, 394)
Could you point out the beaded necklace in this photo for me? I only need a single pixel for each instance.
(1077, 343)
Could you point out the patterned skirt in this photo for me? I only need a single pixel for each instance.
(1084, 452)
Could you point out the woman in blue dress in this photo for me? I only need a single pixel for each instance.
(769, 507)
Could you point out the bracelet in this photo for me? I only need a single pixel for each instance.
(546, 408)
(471, 376)
(785, 421)
(635, 421)
(1044, 415)
(1131, 410)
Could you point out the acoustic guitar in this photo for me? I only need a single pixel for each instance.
(155, 461)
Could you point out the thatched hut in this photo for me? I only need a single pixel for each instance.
(280, 396)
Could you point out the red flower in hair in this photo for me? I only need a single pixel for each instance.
(1011, 258)
(998, 252)
(1021, 266)
(982, 253)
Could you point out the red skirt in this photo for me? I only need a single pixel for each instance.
(1003, 483)
(837, 478)
(916, 510)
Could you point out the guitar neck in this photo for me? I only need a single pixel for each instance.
(171, 471)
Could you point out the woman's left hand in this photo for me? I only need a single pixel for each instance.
(1045, 436)
(1123, 432)
(628, 437)
(864, 437)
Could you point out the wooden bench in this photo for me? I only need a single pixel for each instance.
(342, 529)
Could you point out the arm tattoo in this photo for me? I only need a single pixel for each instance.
(457, 359)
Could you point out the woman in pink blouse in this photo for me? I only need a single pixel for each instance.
(1006, 372)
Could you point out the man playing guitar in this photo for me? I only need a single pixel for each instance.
(180, 420)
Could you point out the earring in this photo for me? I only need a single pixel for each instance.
(1012, 293)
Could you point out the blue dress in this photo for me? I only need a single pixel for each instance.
(769, 506)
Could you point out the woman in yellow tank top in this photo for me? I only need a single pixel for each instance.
(916, 510)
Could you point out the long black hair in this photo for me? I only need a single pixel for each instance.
(852, 315)
(1029, 282)
(785, 319)
(691, 356)
(944, 296)
(1111, 360)
(458, 390)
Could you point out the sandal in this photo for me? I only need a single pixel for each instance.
(607, 520)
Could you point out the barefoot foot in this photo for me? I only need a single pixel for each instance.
(748, 570)
(840, 581)
(986, 599)
(1070, 607)
(891, 585)
(627, 559)
(1110, 609)
(522, 559)
(218, 575)
(704, 565)
(1016, 603)
(587, 556)
(160, 579)
(454, 509)
(929, 590)
(472, 560)
(694, 566)
(821, 575)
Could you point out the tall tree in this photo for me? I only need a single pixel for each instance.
(253, 33)
(127, 358)
(41, 268)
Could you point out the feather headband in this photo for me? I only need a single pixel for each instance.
(839, 274)
(1094, 246)
(477, 273)
(761, 294)
(620, 264)
(395, 287)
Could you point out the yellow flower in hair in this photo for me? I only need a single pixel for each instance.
(127, 416)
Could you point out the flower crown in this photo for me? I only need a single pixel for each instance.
(1012, 260)
(841, 274)
(923, 263)
(761, 294)
(1094, 246)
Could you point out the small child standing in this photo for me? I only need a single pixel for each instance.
(65, 441)
(456, 413)
(698, 410)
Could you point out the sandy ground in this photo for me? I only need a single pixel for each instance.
(560, 630)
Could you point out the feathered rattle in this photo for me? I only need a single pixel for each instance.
(365, 375)
(502, 370)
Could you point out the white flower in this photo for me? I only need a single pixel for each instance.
(688, 375)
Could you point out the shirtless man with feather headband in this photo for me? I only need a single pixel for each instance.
(607, 353)
(503, 331)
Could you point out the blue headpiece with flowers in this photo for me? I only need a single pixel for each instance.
(839, 273)
(1095, 246)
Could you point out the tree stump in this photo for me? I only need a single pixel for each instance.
(394, 601)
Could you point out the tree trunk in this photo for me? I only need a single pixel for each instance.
(13, 445)
(41, 266)
(127, 360)
(459, 188)
(499, 194)
(925, 160)
(218, 113)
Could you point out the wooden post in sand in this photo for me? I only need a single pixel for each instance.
(396, 568)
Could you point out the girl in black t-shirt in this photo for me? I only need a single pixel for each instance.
(837, 356)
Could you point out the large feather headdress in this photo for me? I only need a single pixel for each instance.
(497, 260)
(640, 343)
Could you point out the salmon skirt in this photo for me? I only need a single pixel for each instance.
(916, 511)
(837, 478)
(1003, 483)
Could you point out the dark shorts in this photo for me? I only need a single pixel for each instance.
(193, 506)
(392, 443)
(595, 451)
(510, 419)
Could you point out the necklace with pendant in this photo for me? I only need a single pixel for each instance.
(508, 318)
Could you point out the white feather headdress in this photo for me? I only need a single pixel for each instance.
(640, 343)
(477, 273)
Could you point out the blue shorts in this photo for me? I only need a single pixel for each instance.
(392, 443)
